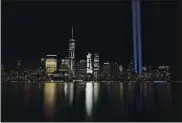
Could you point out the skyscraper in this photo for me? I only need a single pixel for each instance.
(65, 64)
(64, 68)
(42, 63)
(106, 71)
(51, 64)
(89, 64)
(18, 64)
(65, 61)
(96, 65)
(71, 54)
(82, 69)
(115, 71)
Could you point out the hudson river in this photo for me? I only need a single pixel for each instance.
(92, 102)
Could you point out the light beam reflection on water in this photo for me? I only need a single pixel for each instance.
(27, 93)
(140, 102)
(71, 93)
(89, 98)
(96, 92)
(121, 91)
(65, 90)
(49, 100)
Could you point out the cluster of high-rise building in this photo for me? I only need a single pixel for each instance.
(87, 69)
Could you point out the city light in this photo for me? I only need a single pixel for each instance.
(49, 100)
(52, 68)
(89, 98)
(51, 65)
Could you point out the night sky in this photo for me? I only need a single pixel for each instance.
(31, 30)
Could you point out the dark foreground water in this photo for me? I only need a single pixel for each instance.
(98, 102)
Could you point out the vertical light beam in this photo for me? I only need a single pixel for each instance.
(139, 36)
(134, 35)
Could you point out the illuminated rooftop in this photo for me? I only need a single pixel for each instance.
(51, 55)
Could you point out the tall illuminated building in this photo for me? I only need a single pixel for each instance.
(18, 64)
(89, 64)
(106, 71)
(65, 65)
(114, 71)
(65, 61)
(121, 69)
(51, 64)
(42, 63)
(96, 65)
(106, 67)
(131, 66)
(82, 68)
(71, 54)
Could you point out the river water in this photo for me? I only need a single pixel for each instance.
(38, 102)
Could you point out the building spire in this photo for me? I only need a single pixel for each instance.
(72, 32)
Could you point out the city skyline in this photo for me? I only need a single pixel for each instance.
(70, 61)
(89, 38)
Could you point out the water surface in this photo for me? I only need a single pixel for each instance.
(93, 102)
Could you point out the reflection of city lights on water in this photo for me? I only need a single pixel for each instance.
(168, 92)
(65, 89)
(16, 88)
(27, 90)
(71, 93)
(121, 91)
(96, 92)
(141, 88)
(129, 87)
(49, 99)
(145, 89)
(89, 98)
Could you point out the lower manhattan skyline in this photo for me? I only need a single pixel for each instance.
(91, 61)
(98, 27)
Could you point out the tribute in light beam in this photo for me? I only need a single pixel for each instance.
(134, 35)
(137, 36)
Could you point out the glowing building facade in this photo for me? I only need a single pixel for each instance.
(115, 72)
(18, 64)
(96, 65)
(71, 54)
(51, 64)
(82, 68)
(106, 67)
(89, 64)
(65, 65)
(106, 70)
(65, 61)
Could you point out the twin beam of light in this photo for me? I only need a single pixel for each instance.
(134, 36)
(137, 36)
